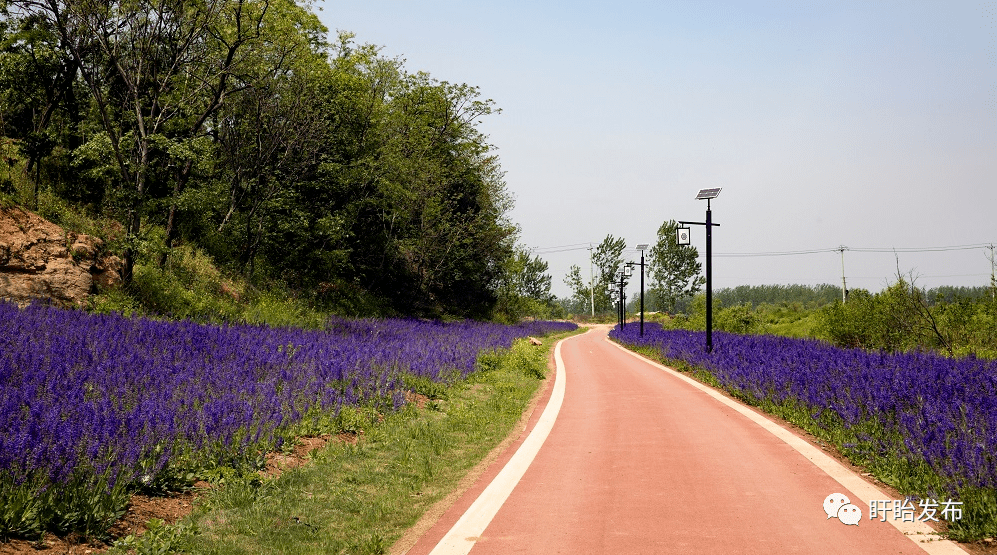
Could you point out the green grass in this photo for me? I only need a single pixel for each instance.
(191, 286)
(361, 498)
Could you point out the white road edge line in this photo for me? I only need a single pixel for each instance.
(918, 532)
(466, 532)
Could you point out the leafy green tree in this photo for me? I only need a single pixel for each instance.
(39, 102)
(674, 269)
(157, 70)
(580, 299)
(524, 289)
(36, 77)
(270, 139)
(406, 200)
(228, 124)
(261, 106)
(607, 259)
(534, 281)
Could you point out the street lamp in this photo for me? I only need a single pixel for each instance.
(627, 272)
(619, 302)
(707, 195)
(641, 247)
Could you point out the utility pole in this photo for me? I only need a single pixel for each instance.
(844, 288)
(591, 283)
(621, 306)
(993, 276)
(709, 274)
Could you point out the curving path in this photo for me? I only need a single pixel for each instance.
(629, 457)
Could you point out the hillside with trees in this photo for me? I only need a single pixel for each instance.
(235, 132)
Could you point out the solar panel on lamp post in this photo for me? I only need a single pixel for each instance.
(708, 195)
(682, 238)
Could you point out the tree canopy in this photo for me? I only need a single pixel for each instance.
(674, 269)
(607, 259)
(237, 126)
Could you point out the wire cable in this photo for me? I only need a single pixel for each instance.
(856, 249)
(586, 246)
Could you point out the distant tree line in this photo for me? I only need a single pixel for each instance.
(951, 294)
(810, 296)
(236, 126)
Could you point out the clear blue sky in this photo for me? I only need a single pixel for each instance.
(826, 123)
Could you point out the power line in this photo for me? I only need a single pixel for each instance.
(560, 248)
(841, 249)
(772, 253)
(923, 249)
(859, 249)
(956, 275)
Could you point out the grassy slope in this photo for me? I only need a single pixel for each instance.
(191, 285)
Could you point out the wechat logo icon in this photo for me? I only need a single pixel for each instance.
(838, 506)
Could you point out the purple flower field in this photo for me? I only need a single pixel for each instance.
(103, 400)
(918, 407)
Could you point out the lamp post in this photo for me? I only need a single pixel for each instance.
(627, 272)
(619, 310)
(641, 247)
(623, 322)
(683, 238)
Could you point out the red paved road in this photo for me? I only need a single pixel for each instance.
(638, 461)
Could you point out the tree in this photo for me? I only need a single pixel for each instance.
(36, 89)
(227, 124)
(407, 201)
(157, 70)
(534, 281)
(269, 141)
(259, 101)
(607, 258)
(524, 289)
(674, 269)
(579, 300)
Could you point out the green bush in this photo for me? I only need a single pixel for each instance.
(530, 359)
(741, 318)
(901, 318)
